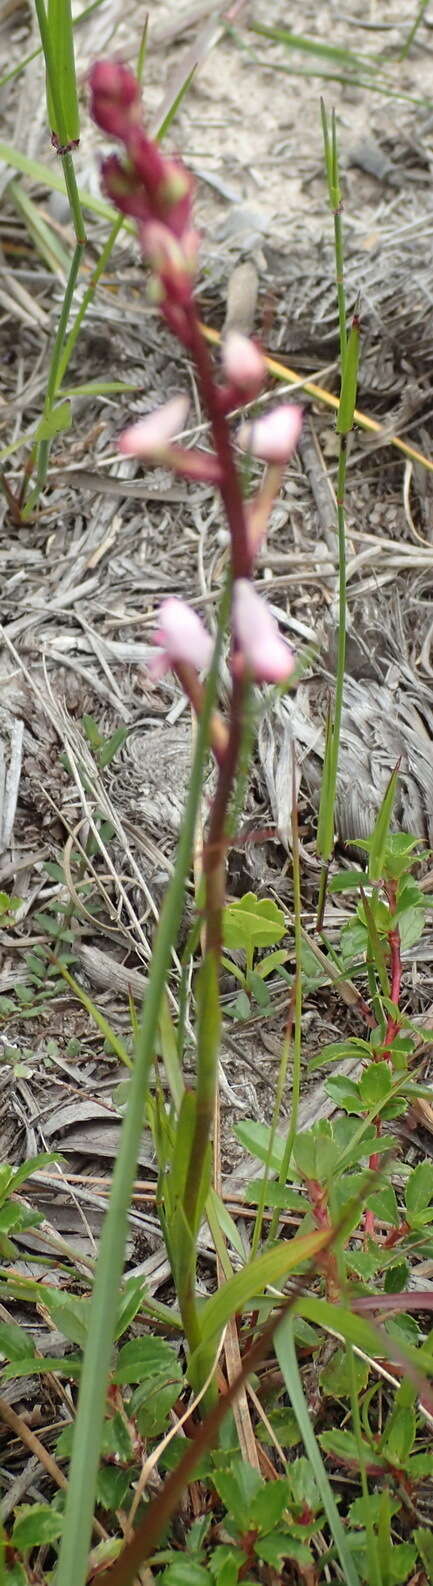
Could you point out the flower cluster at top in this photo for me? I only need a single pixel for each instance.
(157, 190)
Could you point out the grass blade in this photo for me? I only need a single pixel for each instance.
(286, 1355)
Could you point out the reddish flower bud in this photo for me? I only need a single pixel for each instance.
(120, 184)
(262, 652)
(115, 97)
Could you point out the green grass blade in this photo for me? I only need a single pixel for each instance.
(286, 1355)
(59, 19)
(272, 1266)
(73, 1558)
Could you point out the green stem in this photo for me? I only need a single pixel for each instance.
(87, 299)
(72, 1566)
(43, 450)
(297, 1042)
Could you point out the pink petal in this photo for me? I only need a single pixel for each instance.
(152, 434)
(243, 363)
(275, 436)
(182, 636)
(263, 651)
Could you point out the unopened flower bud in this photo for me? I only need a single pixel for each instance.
(243, 364)
(115, 97)
(261, 650)
(181, 637)
(275, 436)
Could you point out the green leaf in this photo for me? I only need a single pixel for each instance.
(255, 1138)
(15, 1343)
(252, 922)
(59, 418)
(184, 1572)
(272, 961)
(279, 1545)
(68, 1312)
(399, 1435)
(375, 1084)
(343, 1447)
(268, 1506)
(378, 842)
(419, 1189)
(131, 1299)
(423, 1539)
(347, 881)
(112, 1487)
(146, 1358)
(258, 989)
(36, 1524)
(412, 923)
(396, 1278)
(402, 1559)
(237, 1488)
(224, 1565)
(344, 1092)
(336, 1377)
(271, 1267)
(349, 381)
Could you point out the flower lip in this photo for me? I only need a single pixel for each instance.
(262, 650)
(273, 437)
(150, 437)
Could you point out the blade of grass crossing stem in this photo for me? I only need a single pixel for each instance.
(285, 1351)
(73, 1557)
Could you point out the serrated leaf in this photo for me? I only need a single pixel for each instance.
(237, 1488)
(268, 1506)
(419, 1189)
(36, 1524)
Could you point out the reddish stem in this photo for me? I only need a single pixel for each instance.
(230, 485)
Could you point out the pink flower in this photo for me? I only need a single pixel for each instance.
(243, 364)
(275, 436)
(151, 437)
(262, 652)
(182, 638)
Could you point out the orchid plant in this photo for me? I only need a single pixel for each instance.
(158, 192)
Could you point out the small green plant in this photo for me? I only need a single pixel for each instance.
(249, 924)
